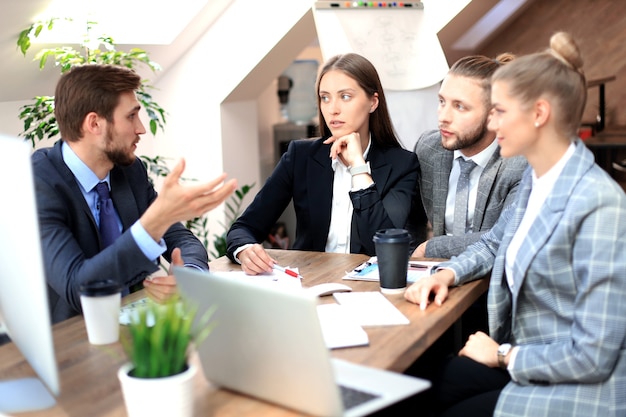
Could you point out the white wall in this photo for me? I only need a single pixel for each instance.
(268, 110)
(10, 124)
(211, 93)
(240, 140)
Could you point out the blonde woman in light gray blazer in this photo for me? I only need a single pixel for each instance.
(557, 296)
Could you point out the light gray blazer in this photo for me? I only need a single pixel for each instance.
(496, 189)
(567, 312)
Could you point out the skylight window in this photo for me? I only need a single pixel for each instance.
(491, 21)
(136, 22)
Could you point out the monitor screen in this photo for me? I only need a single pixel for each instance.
(23, 299)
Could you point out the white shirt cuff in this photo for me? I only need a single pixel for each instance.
(509, 367)
(239, 249)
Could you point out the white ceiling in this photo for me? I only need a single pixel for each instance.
(20, 77)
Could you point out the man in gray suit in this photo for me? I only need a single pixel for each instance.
(464, 109)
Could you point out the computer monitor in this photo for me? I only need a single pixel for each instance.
(23, 299)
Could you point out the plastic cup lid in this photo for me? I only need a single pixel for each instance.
(100, 287)
(392, 236)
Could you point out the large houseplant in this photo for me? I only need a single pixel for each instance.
(38, 117)
(158, 341)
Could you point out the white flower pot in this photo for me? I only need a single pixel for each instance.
(149, 397)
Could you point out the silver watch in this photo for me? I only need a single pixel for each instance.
(503, 350)
(360, 169)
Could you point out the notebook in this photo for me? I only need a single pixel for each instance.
(268, 343)
(368, 270)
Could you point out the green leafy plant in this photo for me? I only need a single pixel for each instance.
(200, 228)
(156, 167)
(38, 117)
(233, 211)
(160, 337)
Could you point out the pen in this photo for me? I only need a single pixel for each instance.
(418, 266)
(362, 266)
(287, 271)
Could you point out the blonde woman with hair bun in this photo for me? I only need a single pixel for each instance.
(557, 259)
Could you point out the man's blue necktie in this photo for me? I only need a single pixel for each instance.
(109, 228)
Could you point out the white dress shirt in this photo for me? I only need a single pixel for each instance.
(341, 212)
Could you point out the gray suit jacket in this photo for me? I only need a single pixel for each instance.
(70, 239)
(496, 189)
(567, 309)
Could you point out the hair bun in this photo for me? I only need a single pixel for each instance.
(504, 57)
(564, 48)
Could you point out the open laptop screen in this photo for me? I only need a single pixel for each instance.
(268, 343)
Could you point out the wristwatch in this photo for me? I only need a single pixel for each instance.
(360, 169)
(503, 350)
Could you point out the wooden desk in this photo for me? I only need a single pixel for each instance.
(89, 384)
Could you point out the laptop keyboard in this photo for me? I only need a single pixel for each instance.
(352, 397)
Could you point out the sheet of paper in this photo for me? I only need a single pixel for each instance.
(339, 328)
(368, 271)
(276, 278)
(127, 311)
(371, 308)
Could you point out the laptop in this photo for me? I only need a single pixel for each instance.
(268, 343)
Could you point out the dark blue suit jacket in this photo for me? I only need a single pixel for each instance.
(72, 249)
(305, 175)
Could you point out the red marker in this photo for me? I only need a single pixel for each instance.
(287, 271)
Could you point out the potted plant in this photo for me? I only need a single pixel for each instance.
(158, 379)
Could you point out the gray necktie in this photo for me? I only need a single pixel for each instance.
(460, 226)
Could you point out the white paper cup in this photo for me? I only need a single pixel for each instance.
(101, 302)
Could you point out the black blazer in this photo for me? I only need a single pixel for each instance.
(72, 249)
(304, 174)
